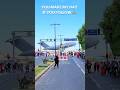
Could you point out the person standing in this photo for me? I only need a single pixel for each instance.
(56, 61)
(95, 66)
(8, 57)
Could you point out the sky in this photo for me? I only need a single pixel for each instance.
(69, 24)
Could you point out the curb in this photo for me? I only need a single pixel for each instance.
(43, 72)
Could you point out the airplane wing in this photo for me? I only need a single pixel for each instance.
(67, 45)
(28, 53)
(21, 44)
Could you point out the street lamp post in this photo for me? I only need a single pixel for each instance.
(60, 40)
(55, 34)
(13, 41)
(61, 47)
(40, 45)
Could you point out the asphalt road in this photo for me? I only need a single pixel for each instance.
(8, 81)
(95, 81)
(69, 76)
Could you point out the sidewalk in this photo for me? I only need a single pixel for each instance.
(102, 82)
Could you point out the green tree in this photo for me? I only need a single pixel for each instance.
(111, 26)
(81, 37)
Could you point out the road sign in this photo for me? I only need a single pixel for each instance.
(70, 39)
(93, 32)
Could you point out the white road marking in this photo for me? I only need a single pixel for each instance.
(83, 71)
(98, 85)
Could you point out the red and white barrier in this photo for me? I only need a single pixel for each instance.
(63, 57)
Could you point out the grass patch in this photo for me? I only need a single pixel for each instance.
(40, 68)
(49, 62)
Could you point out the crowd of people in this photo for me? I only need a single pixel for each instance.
(24, 72)
(110, 68)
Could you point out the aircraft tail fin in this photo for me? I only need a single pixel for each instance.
(43, 44)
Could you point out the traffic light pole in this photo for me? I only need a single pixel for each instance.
(55, 35)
